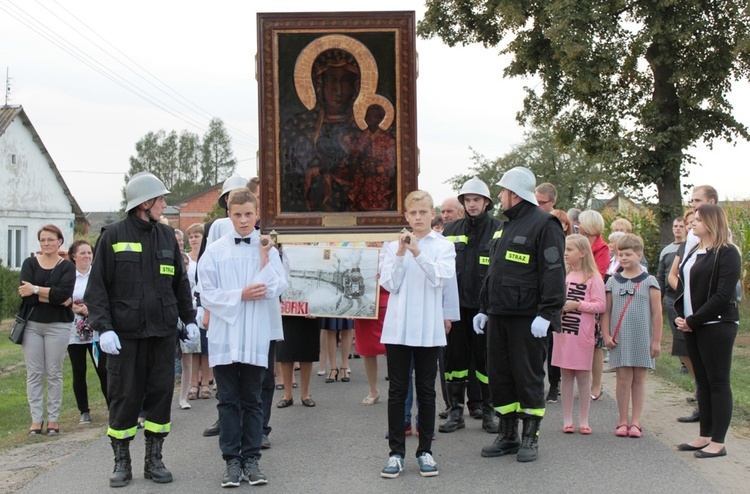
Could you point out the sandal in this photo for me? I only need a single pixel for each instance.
(37, 431)
(205, 392)
(569, 429)
(285, 403)
(599, 396)
(622, 430)
(585, 430)
(308, 402)
(346, 374)
(635, 431)
(279, 387)
(333, 376)
(295, 385)
(192, 393)
(371, 400)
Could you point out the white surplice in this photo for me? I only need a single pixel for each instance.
(415, 307)
(240, 331)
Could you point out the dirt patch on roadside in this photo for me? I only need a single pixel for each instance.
(18, 466)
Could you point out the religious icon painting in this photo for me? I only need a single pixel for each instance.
(338, 148)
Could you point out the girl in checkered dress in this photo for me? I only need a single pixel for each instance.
(631, 328)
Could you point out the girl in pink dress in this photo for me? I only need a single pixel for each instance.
(573, 348)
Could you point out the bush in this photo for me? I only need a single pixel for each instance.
(9, 299)
(645, 225)
(738, 216)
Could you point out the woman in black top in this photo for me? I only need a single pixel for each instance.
(706, 306)
(47, 282)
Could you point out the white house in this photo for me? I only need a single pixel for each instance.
(32, 191)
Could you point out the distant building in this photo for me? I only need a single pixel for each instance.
(195, 208)
(618, 202)
(32, 190)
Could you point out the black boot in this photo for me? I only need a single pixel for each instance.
(153, 467)
(490, 422)
(122, 474)
(529, 439)
(213, 430)
(507, 441)
(456, 392)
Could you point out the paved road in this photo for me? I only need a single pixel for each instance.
(339, 446)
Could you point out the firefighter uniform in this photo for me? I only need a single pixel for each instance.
(138, 287)
(471, 236)
(525, 281)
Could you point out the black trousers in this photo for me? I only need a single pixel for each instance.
(240, 410)
(267, 389)
(399, 359)
(141, 377)
(463, 346)
(77, 354)
(553, 371)
(710, 349)
(515, 359)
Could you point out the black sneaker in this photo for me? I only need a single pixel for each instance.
(251, 472)
(552, 395)
(233, 474)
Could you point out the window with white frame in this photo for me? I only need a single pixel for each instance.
(16, 246)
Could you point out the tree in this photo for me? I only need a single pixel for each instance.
(636, 81)
(575, 175)
(218, 157)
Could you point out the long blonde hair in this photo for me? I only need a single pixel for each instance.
(588, 265)
(715, 222)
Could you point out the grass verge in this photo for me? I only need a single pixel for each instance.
(14, 407)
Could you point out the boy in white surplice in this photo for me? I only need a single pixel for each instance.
(241, 280)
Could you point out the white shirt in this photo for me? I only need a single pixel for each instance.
(415, 306)
(219, 228)
(240, 331)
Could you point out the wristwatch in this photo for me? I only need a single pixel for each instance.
(36, 289)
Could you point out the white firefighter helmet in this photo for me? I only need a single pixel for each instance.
(232, 183)
(522, 182)
(475, 186)
(142, 187)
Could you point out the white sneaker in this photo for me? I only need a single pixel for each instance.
(184, 405)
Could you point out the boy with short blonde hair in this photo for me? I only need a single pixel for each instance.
(415, 269)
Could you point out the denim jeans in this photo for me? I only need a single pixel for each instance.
(240, 410)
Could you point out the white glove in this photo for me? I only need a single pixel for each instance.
(480, 321)
(110, 343)
(539, 327)
(192, 333)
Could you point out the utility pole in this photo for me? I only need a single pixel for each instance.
(7, 85)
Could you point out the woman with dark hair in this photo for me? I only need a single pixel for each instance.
(47, 282)
(707, 311)
(82, 336)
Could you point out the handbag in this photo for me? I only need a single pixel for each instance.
(19, 326)
(622, 314)
(19, 323)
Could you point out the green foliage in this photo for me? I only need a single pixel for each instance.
(215, 213)
(634, 83)
(575, 175)
(9, 299)
(645, 225)
(185, 163)
(738, 216)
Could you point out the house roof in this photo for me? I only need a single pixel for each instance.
(9, 113)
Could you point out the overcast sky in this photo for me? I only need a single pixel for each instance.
(173, 65)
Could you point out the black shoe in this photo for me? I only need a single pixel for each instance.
(444, 414)
(213, 430)
(705, 454)
(265, 443)
(476, 412)
(553, 394)
(454, 422)
(251, 472)
(695, 417)
(688, 447)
